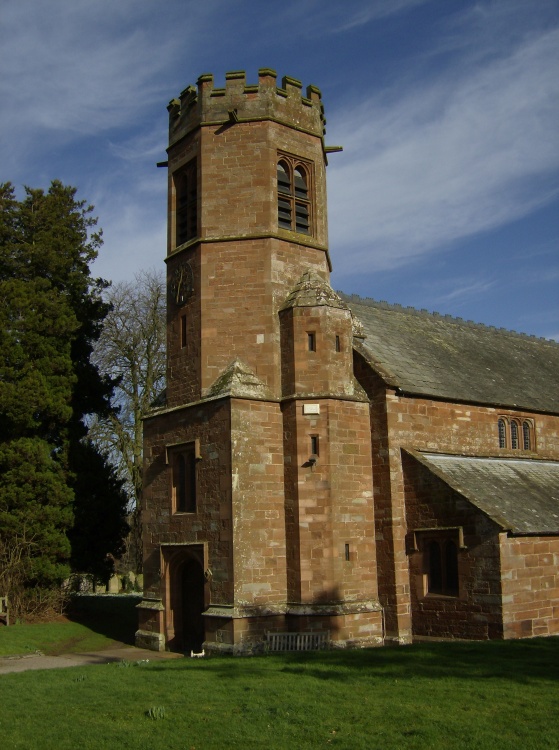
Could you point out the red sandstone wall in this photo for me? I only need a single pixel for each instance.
(244, 264)
(211, 525)
(530, 570)
(257, 503)
(328, 505)
(423, 424)
(476, 612)
(324, 371)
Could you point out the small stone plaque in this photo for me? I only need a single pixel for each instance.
(311, 408)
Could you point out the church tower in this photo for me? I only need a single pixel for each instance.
(257, 512)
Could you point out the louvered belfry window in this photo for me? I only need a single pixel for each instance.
(294, 195)
(186, 194)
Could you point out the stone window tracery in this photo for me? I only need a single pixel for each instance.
(294, 195)
(516, 434)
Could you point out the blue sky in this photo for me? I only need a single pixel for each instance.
(446, 196)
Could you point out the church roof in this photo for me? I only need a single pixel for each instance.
(521, 495)
(427, 354)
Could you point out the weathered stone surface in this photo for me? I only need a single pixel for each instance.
(313, 424)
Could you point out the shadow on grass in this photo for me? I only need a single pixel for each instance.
(115, 617)
(518, 661)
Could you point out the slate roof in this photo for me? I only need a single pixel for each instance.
(521, 495)
(427, 354)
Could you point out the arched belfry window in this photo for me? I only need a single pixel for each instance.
(284, 196)
(301, 201)
(294, 195)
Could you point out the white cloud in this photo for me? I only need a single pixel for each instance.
(134, 238)
(467, 152)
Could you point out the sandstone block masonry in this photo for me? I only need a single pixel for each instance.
(319, 463)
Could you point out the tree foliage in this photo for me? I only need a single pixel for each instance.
(51, 313)
(131, 352)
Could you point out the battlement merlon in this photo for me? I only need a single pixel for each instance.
(239, 102)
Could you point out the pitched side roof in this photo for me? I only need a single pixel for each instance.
(521, 495)
(428, 354)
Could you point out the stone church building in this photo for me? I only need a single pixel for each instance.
(323, 465)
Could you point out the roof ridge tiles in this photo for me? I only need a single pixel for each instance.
(423, 312)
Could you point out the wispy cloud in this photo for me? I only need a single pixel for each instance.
(80, 68)
(465, 152)
(374, 11)
(463, 290)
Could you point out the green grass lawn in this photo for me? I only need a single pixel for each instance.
(95, 623)
(462, 696)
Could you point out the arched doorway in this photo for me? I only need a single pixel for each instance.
(192, 604)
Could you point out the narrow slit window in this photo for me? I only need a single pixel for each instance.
(311, 341)
(347, 553)
(338, 344)
(184, 480)
(183, 331)
(314, 445)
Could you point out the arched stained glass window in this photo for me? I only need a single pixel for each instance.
(514, 435)
(527, 436)
(502, 433)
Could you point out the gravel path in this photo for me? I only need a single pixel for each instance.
(23, 663)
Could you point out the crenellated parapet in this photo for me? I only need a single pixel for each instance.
(241, 102)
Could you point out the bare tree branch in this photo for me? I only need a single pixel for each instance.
(131, 350)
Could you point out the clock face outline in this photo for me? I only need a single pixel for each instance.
(182, 283)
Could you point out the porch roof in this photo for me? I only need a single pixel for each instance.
(521, 495)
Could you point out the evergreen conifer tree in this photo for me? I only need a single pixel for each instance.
(51, 313)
